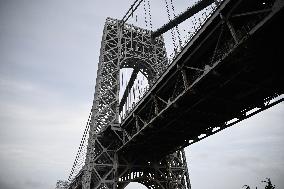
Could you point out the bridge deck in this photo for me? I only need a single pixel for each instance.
(191, 99)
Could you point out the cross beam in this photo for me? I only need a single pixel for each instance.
(182, 17)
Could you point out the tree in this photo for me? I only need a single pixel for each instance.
(247, 187)
(269, 185)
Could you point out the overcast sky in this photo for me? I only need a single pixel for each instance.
(49, 51)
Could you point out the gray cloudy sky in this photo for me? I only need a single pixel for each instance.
(49, 51)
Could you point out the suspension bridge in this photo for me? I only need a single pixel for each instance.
(150, 102)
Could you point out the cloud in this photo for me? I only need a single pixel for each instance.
(48, 59)
(245, 153)
(4, 185)
(34, 184)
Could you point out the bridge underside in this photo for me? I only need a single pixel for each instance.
(234, 65)
(229, 71)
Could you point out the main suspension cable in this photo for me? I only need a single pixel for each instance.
(130, 11)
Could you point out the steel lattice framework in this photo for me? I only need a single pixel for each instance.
(219, 78)
(125, 47)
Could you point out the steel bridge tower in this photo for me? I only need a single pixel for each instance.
(126, 46)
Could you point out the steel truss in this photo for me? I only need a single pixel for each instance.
(220, 78)
(212, 84)
(125, 47)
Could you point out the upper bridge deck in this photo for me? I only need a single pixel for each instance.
(233, 65)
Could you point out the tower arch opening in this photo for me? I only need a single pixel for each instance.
(139, 64)
(136, 77)
(135, 185)
(133, 86)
